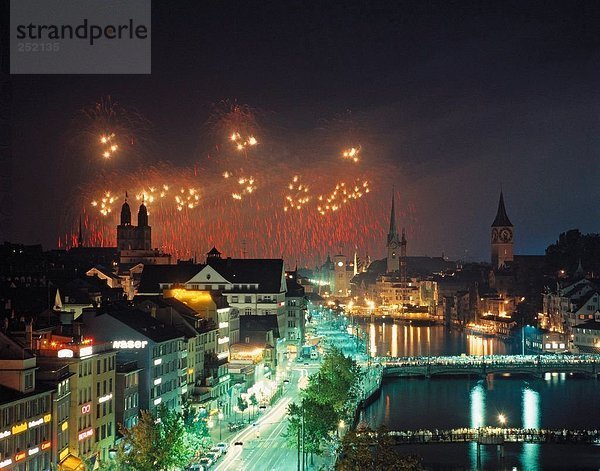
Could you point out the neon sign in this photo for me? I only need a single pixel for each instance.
(5, 463)
(85, 351)
(65, 353)
(102, 399)
(33, 451)
(35, 423)
(130, 343)
(86, 408)
(86, 433)
(19, 428)
(20, 456)
(5, 434)
(46, 445)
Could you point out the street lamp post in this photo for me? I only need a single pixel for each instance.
(220, 416)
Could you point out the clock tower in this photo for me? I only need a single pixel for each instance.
(502, 237)
(393, 243)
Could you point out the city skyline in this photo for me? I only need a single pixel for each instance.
(450, 104)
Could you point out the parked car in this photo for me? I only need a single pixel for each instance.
(234, 426)
(205, 462)
(217, 451)
(223, 446)
(212, 456)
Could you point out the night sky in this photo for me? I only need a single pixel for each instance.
(464, 98)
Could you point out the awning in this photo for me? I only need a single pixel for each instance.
(71, 463)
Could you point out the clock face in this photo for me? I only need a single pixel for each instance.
(505, 235)
(494, 235)
(340, 264)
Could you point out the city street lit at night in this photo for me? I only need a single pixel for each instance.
(299, 236)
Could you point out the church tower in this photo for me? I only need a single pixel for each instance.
(502, 237)
(130, 237)
(143, 230)
(393, 243)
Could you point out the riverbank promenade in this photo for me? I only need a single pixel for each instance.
(536, 365)
(493, 436)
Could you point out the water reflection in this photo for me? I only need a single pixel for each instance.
(395, 340)
(390, 338)
(477, 405)
(373, 339)
(530, 454)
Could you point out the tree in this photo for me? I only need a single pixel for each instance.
(336, 383)
(375, 451)
(155, 443)
(331, 396)
(253, 401)
(197, 429)
(242, 406)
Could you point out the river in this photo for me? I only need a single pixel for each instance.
(555, 401)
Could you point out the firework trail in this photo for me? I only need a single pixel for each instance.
(305, 206)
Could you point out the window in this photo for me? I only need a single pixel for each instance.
(234, 299)
(247, 299)
(28, 381)
(222, 287)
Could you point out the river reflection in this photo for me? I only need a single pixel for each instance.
(555, 401)
(391, 339)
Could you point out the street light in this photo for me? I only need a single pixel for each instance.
(220, 416)
(502, 419)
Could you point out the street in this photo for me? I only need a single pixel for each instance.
(265, 446)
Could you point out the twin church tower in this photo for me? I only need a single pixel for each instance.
(501, 242)
(134, 237)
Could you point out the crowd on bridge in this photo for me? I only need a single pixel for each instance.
(494, 434)
(476, 361)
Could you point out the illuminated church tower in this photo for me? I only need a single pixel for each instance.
(131, 237)
(393, 243)
(502, 237)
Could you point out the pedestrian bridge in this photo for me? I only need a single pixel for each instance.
(491, 436)
(535, 365)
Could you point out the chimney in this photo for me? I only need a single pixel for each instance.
(29, 335)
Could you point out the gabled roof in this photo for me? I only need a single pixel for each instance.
(155, 274)
(501, 216)
(144, 323)
(267, 272)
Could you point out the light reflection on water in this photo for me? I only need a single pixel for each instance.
(391, 339)
(557, 400)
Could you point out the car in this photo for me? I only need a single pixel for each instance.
(196, 467)
(213, 456)
(305, 363)
(223, 446)
(205, 462)
(238, 443)
(217, 451)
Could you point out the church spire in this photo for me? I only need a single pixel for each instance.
(501, 216)
(125, 213)
(393, 230)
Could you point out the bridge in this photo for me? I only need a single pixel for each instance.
(492, 436)
(535, 365)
